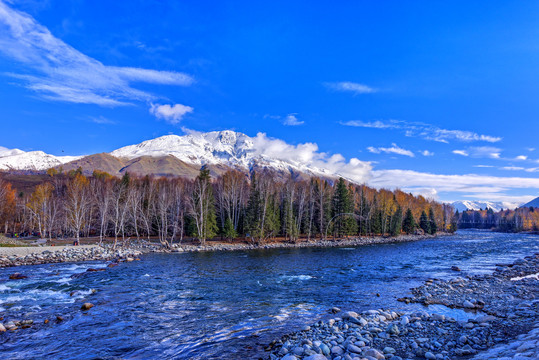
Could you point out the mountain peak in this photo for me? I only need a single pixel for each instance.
(534, 203)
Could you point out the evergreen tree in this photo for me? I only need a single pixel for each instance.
(376, 223)
(363, 214)
(432, 222)
(343, 204)
(273, 215)
(396, 222)
(253, 210)
(228, 230)
(454, 222)
(408, 224)
(424, 222)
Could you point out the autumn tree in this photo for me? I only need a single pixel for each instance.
(40, 205)
(77, 203)
(7, 203)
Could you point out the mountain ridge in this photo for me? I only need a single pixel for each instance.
(496, 206)
(534, 203)
(221, 150)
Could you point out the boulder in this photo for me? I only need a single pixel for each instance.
(17, 276)
(316, 357)
(349, 314)
(87, 306)
(375, 354)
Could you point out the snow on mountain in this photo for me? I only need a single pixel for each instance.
(534, 203)
(239, 150)
(482, 205)
(15, 159)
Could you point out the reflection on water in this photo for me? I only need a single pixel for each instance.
(226, 305)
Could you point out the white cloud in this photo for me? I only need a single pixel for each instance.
(484, 152)
(292, 120)
(483, 166)
(172, 114)
(480, 152)
(479, 186)
(512, 168)
(102, 120)
(461, 152)
(307, 155)
(57, 71)
(349, 86)
(370, 124)
(425, 131)
(394, 149)
(427, 153)
(521, 157)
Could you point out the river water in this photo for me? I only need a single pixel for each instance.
(224, 305)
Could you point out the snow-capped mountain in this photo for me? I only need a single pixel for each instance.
(218, 147)
(234, 149)
(534, 203)
(15, 159)
(176, 155)
(482, 205)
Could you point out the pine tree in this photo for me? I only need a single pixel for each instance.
(376, 225)
(408, 224)
(396, 222)
(228, 230)
(432, 222)
(424, 222)
(253, 227)
(363, 214)
(343, 204)
(454, 222)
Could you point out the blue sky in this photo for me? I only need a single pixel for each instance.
(440, 98)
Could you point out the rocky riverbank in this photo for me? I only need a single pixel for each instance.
(349, 242)
(17, 256)
(34, 255)
(507, 310)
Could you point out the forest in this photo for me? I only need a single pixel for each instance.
(254, 207)
(518, 220)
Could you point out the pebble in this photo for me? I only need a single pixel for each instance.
(510, 307)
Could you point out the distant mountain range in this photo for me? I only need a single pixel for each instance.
(482, 205)
(15, 159)
(180, 155)
(174, 155)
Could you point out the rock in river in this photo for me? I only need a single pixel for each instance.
(17, 276)
(87, 306)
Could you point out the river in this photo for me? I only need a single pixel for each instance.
(225, 305)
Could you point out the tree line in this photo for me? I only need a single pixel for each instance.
(518, 220)
(257, 207)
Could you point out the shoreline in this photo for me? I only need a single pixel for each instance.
(505, 326)
(37, 255)
(318, 243)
